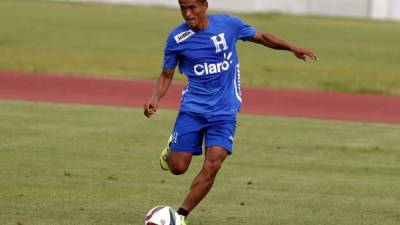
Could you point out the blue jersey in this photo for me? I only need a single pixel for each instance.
(209, 59)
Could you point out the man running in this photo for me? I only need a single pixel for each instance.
(204, 49)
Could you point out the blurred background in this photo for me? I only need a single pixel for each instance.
(358, 50)
(373, 9)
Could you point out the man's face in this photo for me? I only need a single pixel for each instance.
(194, 12)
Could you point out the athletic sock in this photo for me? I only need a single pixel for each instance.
(183, 212)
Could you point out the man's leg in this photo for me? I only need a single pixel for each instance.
(203, 182)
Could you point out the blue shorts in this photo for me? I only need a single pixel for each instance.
(191, 130)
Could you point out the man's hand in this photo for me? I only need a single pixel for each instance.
(150, 108)
(304, 53)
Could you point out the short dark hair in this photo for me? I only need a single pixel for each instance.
(200, 1)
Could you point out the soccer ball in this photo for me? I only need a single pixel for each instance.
(162, 215)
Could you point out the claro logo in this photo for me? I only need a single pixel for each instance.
(213, 68)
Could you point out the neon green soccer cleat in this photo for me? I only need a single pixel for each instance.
(183, 220)
(163, 156)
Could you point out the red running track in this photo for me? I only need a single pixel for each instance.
(262, 101)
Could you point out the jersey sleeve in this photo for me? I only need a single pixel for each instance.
(170, 54)
(243, 30)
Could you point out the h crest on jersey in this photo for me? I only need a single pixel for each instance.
(220, 43)
(215, 68)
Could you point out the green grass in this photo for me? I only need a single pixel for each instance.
(74, 164)
(127, 41)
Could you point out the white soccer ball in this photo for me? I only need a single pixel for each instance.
(162, 215)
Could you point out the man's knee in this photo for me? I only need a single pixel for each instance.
(215, 156)
(211, 168)
(178, 169)
(179, 162)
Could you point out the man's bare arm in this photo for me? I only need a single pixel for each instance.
(160, 89)
(274, 42)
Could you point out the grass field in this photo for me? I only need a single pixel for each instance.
(127, 41)
(88, 165)
(85, 165)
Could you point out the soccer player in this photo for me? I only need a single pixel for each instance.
(204, 49)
